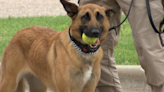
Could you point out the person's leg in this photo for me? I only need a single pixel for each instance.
(109, 81)
(147, 41)
(157, 88)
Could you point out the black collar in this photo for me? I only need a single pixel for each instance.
(83, 48)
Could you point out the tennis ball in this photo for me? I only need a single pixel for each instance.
(88, 40)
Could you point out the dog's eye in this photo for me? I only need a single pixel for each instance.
(86, 16)
(99, 16)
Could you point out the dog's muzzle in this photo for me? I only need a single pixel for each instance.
(91, 32)
(84, 48)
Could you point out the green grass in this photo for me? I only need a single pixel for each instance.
(124, 52)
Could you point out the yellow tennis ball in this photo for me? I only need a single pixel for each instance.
(88, 40)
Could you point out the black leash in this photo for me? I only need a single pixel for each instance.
(149, 15)
(150, 18)
(114, 27)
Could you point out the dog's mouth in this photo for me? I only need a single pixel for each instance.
(94, 45)
(91, 36)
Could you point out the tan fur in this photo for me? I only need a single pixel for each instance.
(44, 56)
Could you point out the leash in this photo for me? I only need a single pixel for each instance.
(150, 18)
(149, 15)
(114, 27)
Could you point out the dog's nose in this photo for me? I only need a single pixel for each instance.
(95, 32)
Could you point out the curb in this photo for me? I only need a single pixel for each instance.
(132, 78)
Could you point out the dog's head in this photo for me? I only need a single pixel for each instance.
(91, 19)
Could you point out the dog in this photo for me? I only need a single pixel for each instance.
(60, 61)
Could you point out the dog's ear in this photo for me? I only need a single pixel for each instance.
(109, 12)
(70, 8)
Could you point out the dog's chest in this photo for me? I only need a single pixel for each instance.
(80, 76)
(87, 75)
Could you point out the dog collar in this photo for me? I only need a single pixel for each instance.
(83, 48)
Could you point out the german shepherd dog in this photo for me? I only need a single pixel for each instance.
(60, 61)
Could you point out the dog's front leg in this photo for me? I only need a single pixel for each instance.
(62, 78)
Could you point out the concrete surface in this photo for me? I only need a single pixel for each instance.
(23, 8)
(132, 79)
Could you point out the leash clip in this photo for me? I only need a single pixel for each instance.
(114, 29)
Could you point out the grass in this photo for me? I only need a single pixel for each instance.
(125, 53)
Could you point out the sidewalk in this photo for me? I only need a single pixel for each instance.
(22, 8)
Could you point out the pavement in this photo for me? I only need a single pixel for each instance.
(132, 77)
(23, 8)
